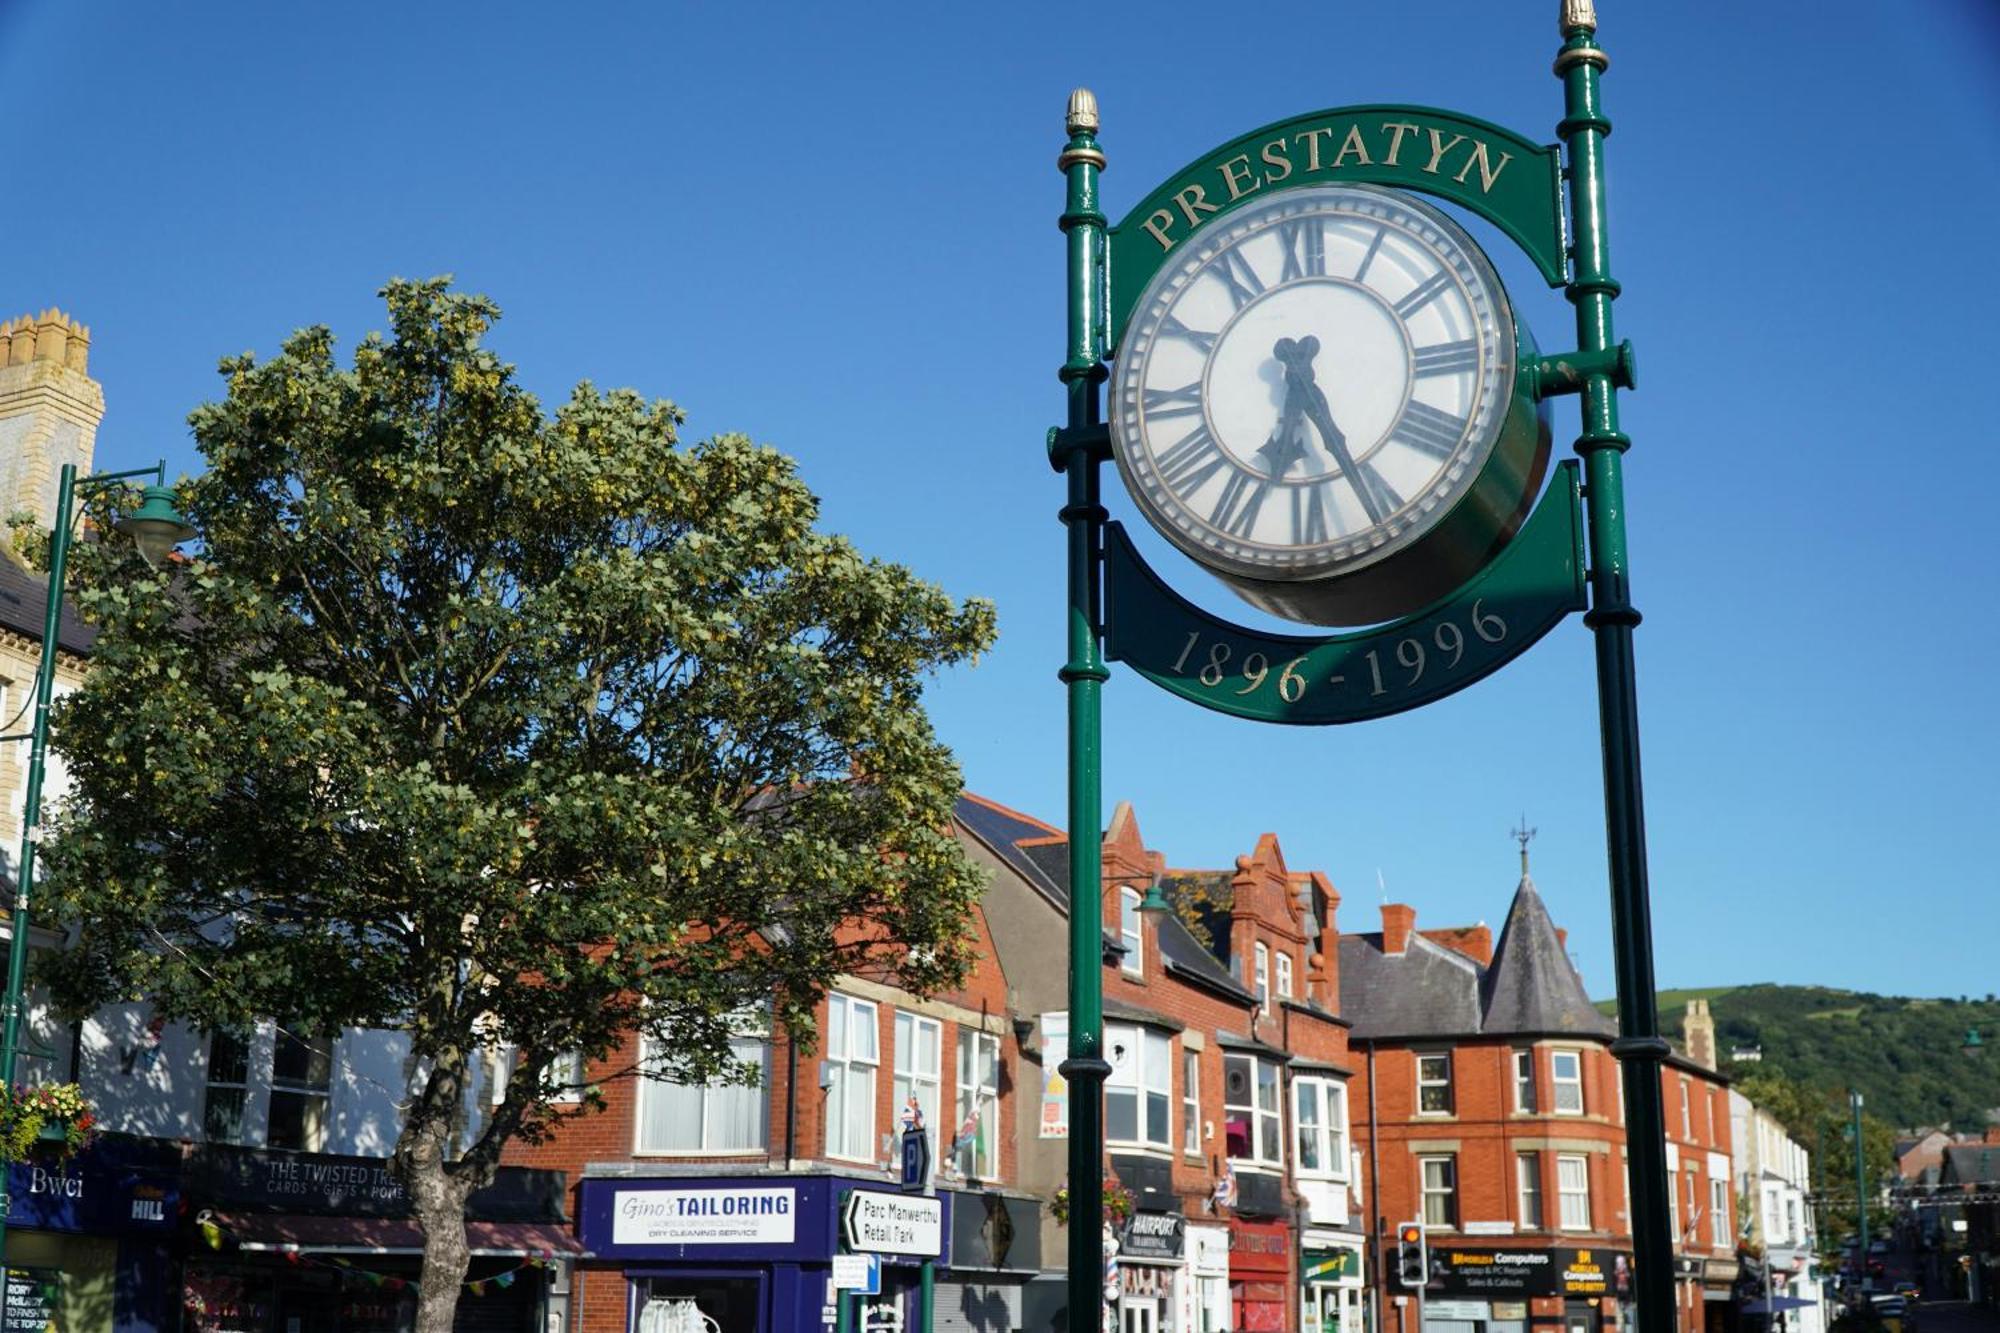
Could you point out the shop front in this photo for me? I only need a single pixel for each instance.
(1561, 1289)
(1330, 1282)
(290, 1242)
(89, 1241)
(1152, 1271)
(1207, 1308)
(1260, 1276)
(756, 1254)
(996, 1249)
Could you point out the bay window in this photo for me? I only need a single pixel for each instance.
(1573, 1191)
(1567, 1066)
(1250, 1109)
(1138, 1091)
(1319, 1111)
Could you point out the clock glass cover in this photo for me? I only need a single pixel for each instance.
(1315, 398)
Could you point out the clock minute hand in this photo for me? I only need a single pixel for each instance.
(1300, 366)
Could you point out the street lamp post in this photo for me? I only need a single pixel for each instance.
(156, 527)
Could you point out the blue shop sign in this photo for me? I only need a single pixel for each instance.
(112, 1187)
(785, 1219)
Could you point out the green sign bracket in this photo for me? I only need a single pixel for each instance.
(1462, 638)
(1511, 181)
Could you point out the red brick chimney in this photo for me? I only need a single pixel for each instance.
(1399, 920)
(1475, 942)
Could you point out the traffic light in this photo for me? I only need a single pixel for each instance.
(1411, 1261)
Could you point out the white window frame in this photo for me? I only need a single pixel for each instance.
(1718, 1212)
(1444, 1195)
(1266, 1121)
(1131, 933)
(1284, 975)
(1528, 1190)
(1319, 1111)
(1260, 976)
(751, 1028)
(1131, 1079)
(978, 1105)
(1687, 1120)
(1525, 1093)
(246, 1038)
(908, 1076)
(854, 1070)
(1573, 1191)
(1573, 1085)
(1190, 1102)
(1450, 1102)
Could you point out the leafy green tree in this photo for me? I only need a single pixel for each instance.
(507, 729)
(1821, 1121)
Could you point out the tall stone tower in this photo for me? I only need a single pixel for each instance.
(1698, 1033)
(49, 410)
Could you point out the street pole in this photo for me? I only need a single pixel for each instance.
(1640, 1048)
(1079, 451)
(37, 736)
(1860, 1190)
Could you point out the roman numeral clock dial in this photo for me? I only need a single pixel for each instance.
(1315, 399)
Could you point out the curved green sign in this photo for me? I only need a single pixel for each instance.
(1520, 595)
(1511, 182)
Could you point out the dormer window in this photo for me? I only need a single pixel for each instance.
(1284, 975)
(1260, 977)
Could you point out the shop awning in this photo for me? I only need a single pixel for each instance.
(383, 1235)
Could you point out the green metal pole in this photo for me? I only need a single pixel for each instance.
(31, 805)
(1860, 1190)
(1639, 1047)
(1078, 451)
(925, 1320)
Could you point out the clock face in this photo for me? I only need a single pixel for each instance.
(1313, 385)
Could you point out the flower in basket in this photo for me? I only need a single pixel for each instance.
(1117, 1203)
(47, 1119)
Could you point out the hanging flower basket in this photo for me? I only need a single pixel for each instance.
(46, 1121)
(1117, 1203)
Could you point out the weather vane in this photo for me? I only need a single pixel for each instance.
(1524, 835)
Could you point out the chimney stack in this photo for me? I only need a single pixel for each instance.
(1399, 921)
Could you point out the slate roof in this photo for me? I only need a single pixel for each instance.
(1429, 991)
(24, 604)
(1970, 1164)
(1532, 986)
(1039, 853)
(1432, 991)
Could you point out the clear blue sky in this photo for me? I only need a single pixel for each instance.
(833, 228)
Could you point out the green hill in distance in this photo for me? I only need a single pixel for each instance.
(1907, 1056)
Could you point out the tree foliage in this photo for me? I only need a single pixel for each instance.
(505, 728)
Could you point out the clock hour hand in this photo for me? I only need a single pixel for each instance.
(1287, 443)
(1298, 359)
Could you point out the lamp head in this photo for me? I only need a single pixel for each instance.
(156, 526)
(1155, 899)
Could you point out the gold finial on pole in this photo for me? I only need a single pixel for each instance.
(1082, 124)
(1578, 14)
(1082, 112)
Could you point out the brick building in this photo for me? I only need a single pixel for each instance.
(1226, 1110)
(1489, 1106)
(728, 1197)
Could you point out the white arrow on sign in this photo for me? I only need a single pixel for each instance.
(882, 1223)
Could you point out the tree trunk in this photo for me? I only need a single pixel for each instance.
(440, 1207)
